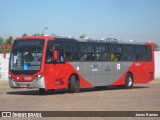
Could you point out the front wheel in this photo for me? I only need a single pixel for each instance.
(129, 81)
(73, 85)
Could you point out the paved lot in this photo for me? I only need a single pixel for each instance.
(140, 98)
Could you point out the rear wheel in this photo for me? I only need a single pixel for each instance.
(129, 81)
(73, 85)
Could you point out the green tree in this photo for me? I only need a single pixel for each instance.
(156, 47)
(24, 35)
(83, 36)
(1, 41)
(9, 40)
(1, 44)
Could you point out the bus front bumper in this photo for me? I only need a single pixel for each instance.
(35, 84)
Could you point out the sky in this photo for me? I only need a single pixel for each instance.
(137, 20)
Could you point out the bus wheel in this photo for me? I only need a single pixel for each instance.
(73, 86)
(41, 91)
(128, 81)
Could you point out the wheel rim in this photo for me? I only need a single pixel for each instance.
(129, 81)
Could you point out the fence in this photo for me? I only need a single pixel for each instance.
(4, 67)
(157, 64)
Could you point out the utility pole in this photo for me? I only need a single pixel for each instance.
(45, 28)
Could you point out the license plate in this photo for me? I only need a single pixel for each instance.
(23, 86)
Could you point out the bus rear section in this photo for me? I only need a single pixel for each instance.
(138, 62)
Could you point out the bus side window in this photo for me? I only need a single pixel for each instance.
(141, 53)
(59, 46)
(115, 52)
(113, 57)
(101, 52)
(71, 52)
(87, 52)
(128, 53)
(149, 53)
(49, 55)
(61, 55)
(49, 52)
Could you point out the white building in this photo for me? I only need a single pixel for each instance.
(157, 64)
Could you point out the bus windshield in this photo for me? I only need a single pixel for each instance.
(26, 55)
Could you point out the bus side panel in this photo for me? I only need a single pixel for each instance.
(57, 75)
(109, 73)
(103, 73)
(125, 67)
(78, 68)
(92, 72)
(115, 71)
(54, 76)
(143, 72)
(151, 65)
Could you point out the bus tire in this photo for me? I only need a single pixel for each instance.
(41, 91)
(73, 84)
(128, 81)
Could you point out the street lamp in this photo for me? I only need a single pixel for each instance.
(45, 28)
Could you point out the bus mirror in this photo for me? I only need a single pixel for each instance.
(55, 55)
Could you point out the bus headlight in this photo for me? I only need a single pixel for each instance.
(10, 77)
(38, 77)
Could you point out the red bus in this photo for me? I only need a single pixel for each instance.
(49, 63)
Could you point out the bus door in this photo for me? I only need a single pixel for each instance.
(54, 72)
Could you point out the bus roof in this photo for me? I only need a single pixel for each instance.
(34, 37)
(82, 40)
(100, 41)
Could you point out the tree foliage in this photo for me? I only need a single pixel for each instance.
(83, 36)
(9, 40)
(156, 47)
(36, 34)
(3, 41)
(24, 35)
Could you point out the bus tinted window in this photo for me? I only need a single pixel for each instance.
(128, 53)
(149, 53)
(49, 52)
(101, 52)
(59, 46)
(141, 53)
(115, 52)
(71, 52)
(87, 52)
